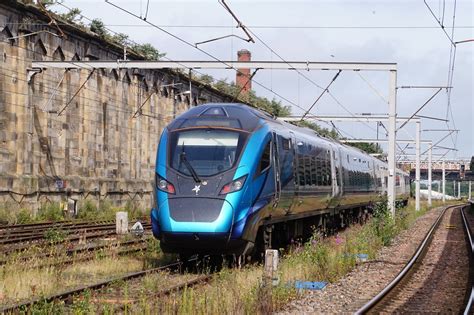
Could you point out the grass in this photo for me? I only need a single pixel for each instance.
(54, 211)
(231, 290)
(20, 279)
(321, 259)
(22, 283)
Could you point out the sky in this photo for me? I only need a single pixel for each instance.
(404, 32)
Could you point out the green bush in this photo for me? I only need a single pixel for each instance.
(88, 211)
(383, 224)
(51, 212)
(24, 216)
(55, 235)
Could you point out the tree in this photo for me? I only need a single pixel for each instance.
(471, 166)
(98, 27)
(148, 51)
(206, 79)
(47, 3)
(73, 16)
(120, 38)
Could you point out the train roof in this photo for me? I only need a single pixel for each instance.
(233, 115)
(244, 117)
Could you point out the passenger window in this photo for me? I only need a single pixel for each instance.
(265, 160)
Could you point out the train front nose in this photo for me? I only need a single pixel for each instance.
(195, 224)
(200, 214)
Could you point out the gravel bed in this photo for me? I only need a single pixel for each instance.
(442, 276)
(470, 217)
(355, 289)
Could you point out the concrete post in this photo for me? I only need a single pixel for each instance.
(417, 174)
(439, 187)
(469, 191)
(271, 266)
(430, 151)
(121, 222)
(459, 190)
(454, 188)
(392, 136)
(444, 182)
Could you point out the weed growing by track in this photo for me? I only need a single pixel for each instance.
(54, 211)
(321, 259)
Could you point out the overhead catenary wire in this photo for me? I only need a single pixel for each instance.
(452, 62)
(321, 95)
(452, 59)
(163, 57)
(239, 23)
(199, 49)
(297, 27)
(305, 77)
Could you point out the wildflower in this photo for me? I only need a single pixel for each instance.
(338, 240)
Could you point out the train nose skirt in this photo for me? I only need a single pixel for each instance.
(195, 209)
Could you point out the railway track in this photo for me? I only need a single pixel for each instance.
(68, 296)
(437, 279)
(83, 253)
(70, 231)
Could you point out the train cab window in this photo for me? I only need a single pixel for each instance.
(285, 144)
(264, 163)
(206, 151)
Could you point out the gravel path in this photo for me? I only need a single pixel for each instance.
(351, 292)
(442, 276)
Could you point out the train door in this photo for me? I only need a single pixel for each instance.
(276, 147)
(335, 173)
(285, 181)
(294, 145)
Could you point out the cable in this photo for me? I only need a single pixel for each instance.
(207, 26)
(99, 100)
(373, 88)
(439, 22)
(305, 76)
(146, 12)
(189, 44)
(199, 49)
(321, 95)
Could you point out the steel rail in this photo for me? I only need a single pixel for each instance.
(408, 267)
(72, 234)
(469, 305)
(70, 293)
(77, 251)
(39, 225)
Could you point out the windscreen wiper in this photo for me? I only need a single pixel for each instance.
(189, 167)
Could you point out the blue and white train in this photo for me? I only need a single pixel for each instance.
(231, 179)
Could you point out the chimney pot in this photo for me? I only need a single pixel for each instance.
(243, 74)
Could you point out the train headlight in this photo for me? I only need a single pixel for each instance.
(233, 186)
(163, 185)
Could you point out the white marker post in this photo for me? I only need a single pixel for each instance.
(444, 182)
(430, 153)
(121, 223)
(271, 266)
(469, 190)
(417, 171)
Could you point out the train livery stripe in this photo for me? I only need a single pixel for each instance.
(245, 198)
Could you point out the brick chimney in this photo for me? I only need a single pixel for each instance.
(243, 75)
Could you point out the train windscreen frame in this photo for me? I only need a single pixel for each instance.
(209, 151)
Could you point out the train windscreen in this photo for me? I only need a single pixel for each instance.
(208, 151)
